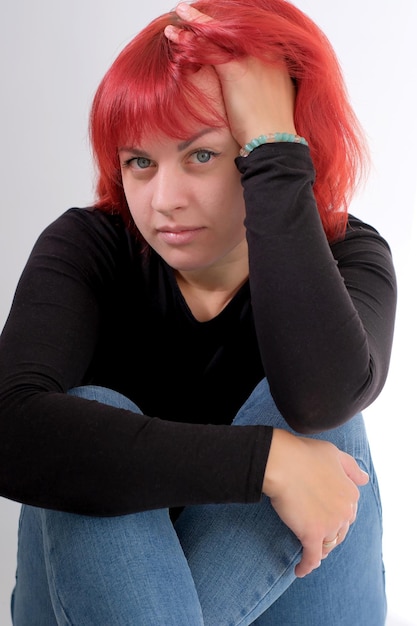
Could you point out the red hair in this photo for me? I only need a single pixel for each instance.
(147, 90)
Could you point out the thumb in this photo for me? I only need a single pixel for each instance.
(352, 469)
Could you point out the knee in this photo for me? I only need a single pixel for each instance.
(105, 396)
(260, 409)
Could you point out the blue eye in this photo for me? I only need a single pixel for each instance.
(203, 156)
(141, 162)
(138, 163)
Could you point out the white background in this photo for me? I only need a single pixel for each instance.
(52, 56)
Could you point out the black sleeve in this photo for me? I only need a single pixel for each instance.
(67, 453)
(324, 314)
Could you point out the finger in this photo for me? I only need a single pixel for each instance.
(173, 33)
(310, 560)
(190, 14)
(352, 469)
(330, 544)
(354, 512)
(342, 533)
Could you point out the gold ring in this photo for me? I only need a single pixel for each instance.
(332, 543)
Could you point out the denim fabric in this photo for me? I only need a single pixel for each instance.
(219, 565)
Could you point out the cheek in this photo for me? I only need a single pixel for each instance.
(227, 189)
(235, 200)
(136, 203)
(139, 216)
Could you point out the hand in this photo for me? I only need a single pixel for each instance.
(312, 486)
(258, 96)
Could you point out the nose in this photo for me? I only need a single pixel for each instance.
(168, 190)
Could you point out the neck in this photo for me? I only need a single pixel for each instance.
(208, 292)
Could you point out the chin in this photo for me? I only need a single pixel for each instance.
(186, 265)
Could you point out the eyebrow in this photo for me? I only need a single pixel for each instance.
(183, 145)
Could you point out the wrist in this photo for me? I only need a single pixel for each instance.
(274, 470)
(277, 137)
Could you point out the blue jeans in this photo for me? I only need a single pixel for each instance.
(218, 565)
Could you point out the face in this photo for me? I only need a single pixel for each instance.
(185, 196)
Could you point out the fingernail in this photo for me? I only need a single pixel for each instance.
(182, 7)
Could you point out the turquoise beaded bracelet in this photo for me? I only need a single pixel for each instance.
(271, 138)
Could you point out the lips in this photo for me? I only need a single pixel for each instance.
(179, 235)
(176, 228)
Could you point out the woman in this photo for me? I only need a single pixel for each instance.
(217, 278)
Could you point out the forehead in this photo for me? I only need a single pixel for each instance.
(207, 81)
(174, 108)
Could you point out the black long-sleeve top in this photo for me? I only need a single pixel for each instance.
(90, 308)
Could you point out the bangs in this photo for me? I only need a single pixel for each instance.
(148, 91)
(171, 107)
(155, 87)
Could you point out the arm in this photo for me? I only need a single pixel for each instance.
(66, 453)
(324, 331)
(312, 486)
(324, 315)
